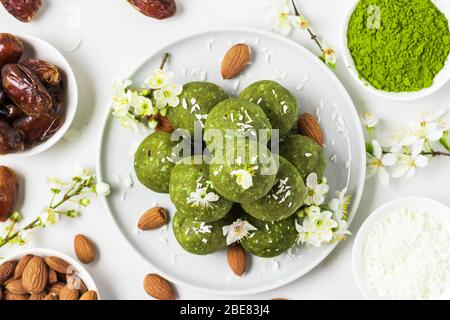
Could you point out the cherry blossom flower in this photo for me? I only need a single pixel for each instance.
(237, 231)
(369, 120)
(407, 163)
(168, 96)
(159, 79)
(316, 228)
(316, 191)
(281, 17)
(376, 162)
(244, 178)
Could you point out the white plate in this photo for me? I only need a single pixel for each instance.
(82, 273)
(439, 81)
(439, 210)
(40, 49)
(273, 56)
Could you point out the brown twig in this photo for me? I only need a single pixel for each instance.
(311, 33)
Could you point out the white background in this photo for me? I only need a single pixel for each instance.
(115, 38)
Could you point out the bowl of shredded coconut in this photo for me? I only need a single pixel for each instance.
(402, 251)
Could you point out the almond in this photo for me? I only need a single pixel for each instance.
(163, 123)
(13, 297)
(21, 266)
(56, 288)
(52, 276)
(153, 219)
(38, 296)
(69, 294)
(51, 296)
(35, 276)
(16, 287)
(1, 293)
(158, 287)
(235, 60)
(7, 271)
(84, 249)
(237, 259)
(89, 295)
(59, 265)
(310, 127)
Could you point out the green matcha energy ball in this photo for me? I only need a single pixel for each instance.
(285, 198)
(192, 193)
(196, 101)
(153, 162)
(277, 102)
(199, 237)
(244, 172)
(305, 154)
(272, 238)
(239, 117)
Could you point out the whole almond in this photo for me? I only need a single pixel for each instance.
(21, 265)
(1, 293)
(237, 259)
(69, 294)
(16, 287)
(235, 60)
(7, 271)
(153, 219)
(59, 265)
(13, 297)
(158, 287)
(309, 126)
(35, 276)
(51, 296)
(84, 249)
(52, 276)
(56, 288)
(163, 123)
(38, 296)
(89, 295)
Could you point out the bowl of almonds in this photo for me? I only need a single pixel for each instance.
(43, 274)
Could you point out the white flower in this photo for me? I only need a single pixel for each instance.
(168, 96)
(316, 191)
(328, 55)
(342, 230)
(81, 172)
(407, 163)
(317, 227)
(159, 79)
(103, 189)
(243, 178)
(377, 162)
(339, 205)
(281, 17)
(142, 106)
(49, 217)
(201, 197)
(369, 120)
(122, 103)
(300, 22)
(237, 231)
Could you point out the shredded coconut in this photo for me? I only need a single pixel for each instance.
(407, 256)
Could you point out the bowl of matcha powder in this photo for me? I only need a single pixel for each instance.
(398, 49)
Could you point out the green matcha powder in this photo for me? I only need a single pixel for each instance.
(398, 45)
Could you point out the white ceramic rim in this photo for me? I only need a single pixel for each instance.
(42, 252)
(444, 74)
(71, 100)
(442, 212)
(359, 138)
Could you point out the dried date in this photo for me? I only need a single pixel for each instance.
(11, 49)
(159, 9)
(10, 139)
(48, 73)
(8, 192)
(10, 111)
(38, 130)
(22, 10)
(24, 88)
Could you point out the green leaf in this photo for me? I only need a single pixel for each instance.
(71, 213)
(85, 202)
(369, 148)
(55, 191)
(444, 141)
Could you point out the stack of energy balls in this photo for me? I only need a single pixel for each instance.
(264, 189)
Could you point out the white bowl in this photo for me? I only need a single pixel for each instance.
(432, 207)
(439, 81)
(82, 273)
(40, 49)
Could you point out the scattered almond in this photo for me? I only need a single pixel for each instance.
(51, 296)
(13, 297)
(309, 126)
(52, 276)
(84, 249)
(153, 219)
(237, 259)
(7, 271)
(16, 287)
(59, 265)
(69, 294)
(235, 60)
(89, 295)
(21, 265)
(56, 288)
(158, 287)
(38, 296)
(35, 276)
